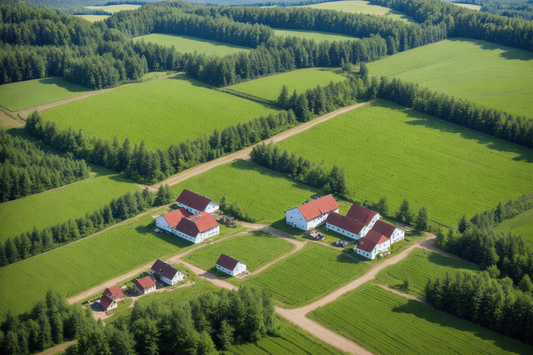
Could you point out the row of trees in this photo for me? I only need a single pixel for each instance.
(25, 169)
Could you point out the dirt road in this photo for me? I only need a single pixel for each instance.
(58, 348)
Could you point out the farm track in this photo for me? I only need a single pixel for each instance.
(58, 348)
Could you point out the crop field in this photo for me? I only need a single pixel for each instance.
(114, 8)
(519, 225)
(364, 7)
(420, 266)
(307, 275)
(490, 74)
(31, 93)
(93, 18)
(269, 87)
(187, 44)
(402, 154)
(254, 249)
(56, 206)
(317, 36)
(159, 112)
(387, 323)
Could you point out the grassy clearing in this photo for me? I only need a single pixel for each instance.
(520, 225)
(31, 93)
(386, 323)
(469, 6)
(93, 18)
(490, 74)
(364, 7)
(399, 153)
(189, 44)
(60, 205)
(420, 266)
(160, 112)
(307, 275)
(269, 87)
(114, 8)
(317, 36)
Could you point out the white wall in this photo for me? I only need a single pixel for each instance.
(339, 230)
(397, 235)
(200, 237)
(373, 221)
(295, 218)
(212, 207)
(161, 222)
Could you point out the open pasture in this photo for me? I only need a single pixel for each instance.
(159, 112)
(317, 36)
(300, 80)
(387, 323)
(114, 8)
(307, 275)
(187, 44)
(363, 7)
(254, 249)
(93, 18)
(468, 6)
(519, 225)
(490, 74)
(388, 150)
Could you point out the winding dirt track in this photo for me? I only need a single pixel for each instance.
(58, 348)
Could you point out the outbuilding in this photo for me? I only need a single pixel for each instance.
(196, 203)
(166, 273)
(311, 214)
(346, 226)
(395, 234)
(372, 245)
(230, 266)
(107, 303)
(144, 285)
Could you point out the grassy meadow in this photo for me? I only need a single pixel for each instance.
(401, 154)
(159, 112)
(187, 44)
(317, 36)
(519, 225)
(469, 6)
(114, 8)
(387, 323)
(93, 18)
(490, 74)
(300, 80)
(363, 7)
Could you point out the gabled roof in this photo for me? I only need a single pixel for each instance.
(144, 283)
(348, 224)
(227, 262)
(197, 223)
(174, 217)
(164, 269)
(361, 214)
(113, 292)
(366, 245)
(106, 301)
(384, 228)
(376, 237)
(191, 199)
(318, 207)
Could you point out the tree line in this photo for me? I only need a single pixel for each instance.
(25, 169)
(510, 8)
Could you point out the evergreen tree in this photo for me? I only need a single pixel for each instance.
(383, 206)
(225, 335)
(405, 215)
(12, 253)
(525, 284)
(3, 258)
(283, 99)
(422, 220)
(463, 224)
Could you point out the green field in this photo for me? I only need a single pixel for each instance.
(93, 18)
(307, 275)
(269, 87)
(469, 6)
(386, 323)
(364, 7)
(317, 36)
(519, 225)
(187, 44)
(255, 250)
(490, 74)
(31, 93)
(160, 112)
(420, 266)
(71, 201)
(114, 8)
(392, 151)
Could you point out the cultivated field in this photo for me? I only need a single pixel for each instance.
(490, 74)
(520, 225)
(386, 323)
(93, 18)
(56, 206)
(307, 275)
(317, 36)
(31, 93)
(300, 80)
(160, 112)
(189, 44)
(114, 8)
(364, 7)
(399, 153)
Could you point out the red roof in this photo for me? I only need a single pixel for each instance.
(113, 292)
(361, 214)
(384, 228)
(144, 283)
(164, 269)
(376, 237)
(318, 207)
(196, 224)
(191, 199)
(348, 224)
(106, 301)
(366, 245)
(227, 262)
(174, 217)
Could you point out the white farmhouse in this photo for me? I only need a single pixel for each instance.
(363, 214)
(110, 297)
(107, 303)
(372, 244)
(388, 230)
(311, 214)
(195, 203)
(144, 285)
(166, 273)
(230, 266)
(197, 228)
(170, 220)
(346, 226)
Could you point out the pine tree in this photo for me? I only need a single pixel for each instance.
(3, 258)
(225, 335)
(283, 99)
(383, 206)
(405, 215)
(422, 220)
(12, 253)
(463, 224)
(525, 284)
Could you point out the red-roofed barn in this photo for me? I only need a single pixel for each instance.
(230, 266)
(388, 230)
(363, 214)
(144, 285)
(170, 220)
(346, 226)
(311, 214)
(197, 228)
(195, 203)
(372, 245)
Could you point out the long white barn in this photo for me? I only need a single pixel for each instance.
(311, 214)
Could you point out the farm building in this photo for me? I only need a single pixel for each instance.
(144, 285)
(107, 303)
(311, 214)
(195, 203)
(363, 214)
(170, 220)
(372, 244)
(197, 228)
(346, 226)
(230, 266)
(110, 297)
(166, 273)
(389, 231)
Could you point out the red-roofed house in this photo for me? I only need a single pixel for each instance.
(311, 214)
(346, 226)
(114, 292)
(107, 303)
(166, 273)
(230, 266)
(144, 285)
(197, 227)
(170, 220)
(195, 203)
(363, 214)
(388, 230)
(372, 244)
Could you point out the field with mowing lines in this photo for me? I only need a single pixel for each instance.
(365, 7)
(519, 225)
(420, 266)
(307, 275)
(387, 323)
(317, 36)
(187, 44)
(256, 189)
(269, 87)
(114, 8)
(255, 250)
(27, 94)
(399, 153)
(490, 74)
(160, 112)
(71, 201)
(93, 18)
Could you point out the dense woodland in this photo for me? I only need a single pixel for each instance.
(508, 8)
